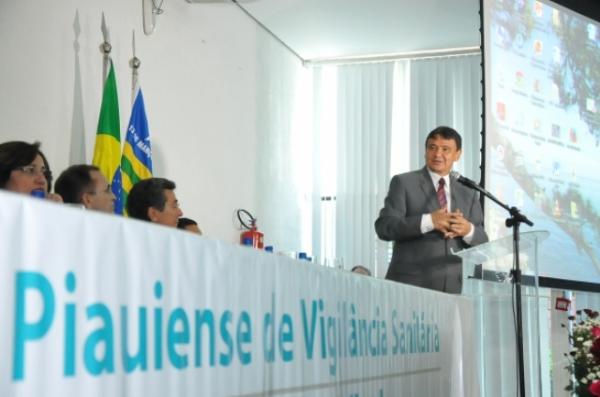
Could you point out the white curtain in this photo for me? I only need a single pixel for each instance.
(370, 122)
(284, 151)
(365, 106)
(447, 91)
(334, 136)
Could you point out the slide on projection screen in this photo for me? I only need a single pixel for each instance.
(542, 95)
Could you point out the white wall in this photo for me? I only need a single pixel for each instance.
(204, 73)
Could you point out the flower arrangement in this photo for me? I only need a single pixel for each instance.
(584, 358)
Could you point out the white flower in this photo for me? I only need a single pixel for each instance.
(587, 343)
(584, 381)
(591, 376)
(580, 339)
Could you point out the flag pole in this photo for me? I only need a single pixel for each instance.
(135, 64)
(105, 48)
(107, 149)
(136, 159)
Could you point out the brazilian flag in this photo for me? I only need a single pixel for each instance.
(107, 150)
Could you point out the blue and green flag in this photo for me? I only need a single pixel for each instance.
(136, 162)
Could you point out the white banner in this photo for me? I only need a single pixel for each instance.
(97, 305)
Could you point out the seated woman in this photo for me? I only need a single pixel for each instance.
(24, 169)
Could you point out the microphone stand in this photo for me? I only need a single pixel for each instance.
(515, 220)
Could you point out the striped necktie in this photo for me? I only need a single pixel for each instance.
(441, 193)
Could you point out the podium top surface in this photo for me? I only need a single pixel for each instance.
(501, 247)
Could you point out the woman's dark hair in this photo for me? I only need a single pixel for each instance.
(17, 154)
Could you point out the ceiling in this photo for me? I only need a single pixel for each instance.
(324, 29)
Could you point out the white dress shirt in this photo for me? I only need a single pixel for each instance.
(426, 221)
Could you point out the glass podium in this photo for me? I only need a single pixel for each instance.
(487, 280)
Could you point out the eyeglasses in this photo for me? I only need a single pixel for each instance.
(33, 170)
(107, 190)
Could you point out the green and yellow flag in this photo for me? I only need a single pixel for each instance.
(107, 150)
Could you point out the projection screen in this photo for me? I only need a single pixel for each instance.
(542, 125)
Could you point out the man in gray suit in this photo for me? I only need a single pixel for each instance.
(427, 213)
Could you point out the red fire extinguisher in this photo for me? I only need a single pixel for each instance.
(251, 236)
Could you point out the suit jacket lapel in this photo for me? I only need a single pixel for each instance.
(455, 193)
(428, 190)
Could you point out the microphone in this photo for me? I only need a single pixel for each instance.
(39, 193)
(465, 181)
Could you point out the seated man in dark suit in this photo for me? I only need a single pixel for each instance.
(154, 200)
(84, 184)
(426, 214)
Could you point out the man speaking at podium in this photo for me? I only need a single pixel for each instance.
(426, 214)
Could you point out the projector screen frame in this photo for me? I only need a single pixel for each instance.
(591, 11)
